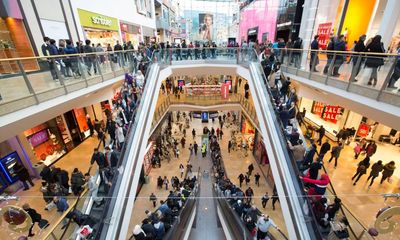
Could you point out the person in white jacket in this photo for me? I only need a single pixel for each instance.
(263, 225)
(119, 134)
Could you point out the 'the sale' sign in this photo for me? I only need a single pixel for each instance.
(324, 32)
(225, 91)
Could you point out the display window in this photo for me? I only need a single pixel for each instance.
(103, 37)
(14, 43)
(80, 115)
(130, 33)
(46, 141)
(246, 126)
(148, 157)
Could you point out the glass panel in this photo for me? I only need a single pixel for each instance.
(12, 83)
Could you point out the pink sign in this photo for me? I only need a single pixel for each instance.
(39, 138)
(225, 91)
(261, 14)
(324, 32)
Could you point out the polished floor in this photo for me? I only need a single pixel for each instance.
(235, 163)
(361, 201)
(79, 158)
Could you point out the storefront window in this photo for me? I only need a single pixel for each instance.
(80, 116)
(46, 141)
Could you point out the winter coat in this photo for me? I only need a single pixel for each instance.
(388, 170)
(374, 61)
(363, 166)
(376, 169)
(320, 185)
(336, 151)
(340, 46)
(371, 149)
(298, 151)
(62, 205)
(21, 172)
(77, 179)
(325, 148)
(160, 230)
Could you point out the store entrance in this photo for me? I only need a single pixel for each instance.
(73, 127)
(251, 38)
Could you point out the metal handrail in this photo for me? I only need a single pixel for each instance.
(322, 51)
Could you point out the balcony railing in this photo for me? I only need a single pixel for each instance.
(22, 87)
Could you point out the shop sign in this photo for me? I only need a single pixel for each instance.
(363, 130)
(95, 20)
(324, 32)
(332, 113)
(225, 91)
(39, 138)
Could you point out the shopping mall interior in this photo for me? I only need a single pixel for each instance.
(200, 119)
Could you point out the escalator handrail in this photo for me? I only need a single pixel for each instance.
(129, 136)
(289, 155)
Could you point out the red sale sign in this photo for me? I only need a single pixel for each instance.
(332, 113)
(324, 32)
(363, 130)
(225, 91)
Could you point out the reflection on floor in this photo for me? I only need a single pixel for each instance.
(79, 158)
(365, 203)
(235, 163)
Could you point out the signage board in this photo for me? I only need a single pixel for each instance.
(95, 20)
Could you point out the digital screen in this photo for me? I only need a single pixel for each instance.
(7, 166)
(204, 117)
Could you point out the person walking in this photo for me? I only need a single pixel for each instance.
(191, 149)
(249, 194)
(314, 54)
(193, 133)
(181, 169)
(166, 182)
(340, 45)
(371, 148)
(374, 61)
(375, 170)
(264, 223)
(153, 199)
(264, 200)
(257, 179)
(361, 169)
(241, 179)
(23, 175)
(388, 171)
(250, 168)
(35, 216)
(275, 199)
(321, 131)
(247, 179)
(324, 149)
(357, 150)
(183, 141)
(229, 146)
(195, 147)
(330, 47)
(335, 153)
(359, 47)
(203, 150)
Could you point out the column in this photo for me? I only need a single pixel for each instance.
(310, 8)
(389, 20)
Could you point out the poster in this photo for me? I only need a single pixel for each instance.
(324, 31)
(225, 91)
(363, 130)
(327, 112)
(206, 26)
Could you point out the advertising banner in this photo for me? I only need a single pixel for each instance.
(324, 31)
(363, 130)
(327, 112)
(206, 26)
(225, 91)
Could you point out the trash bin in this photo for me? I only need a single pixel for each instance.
(38, 167)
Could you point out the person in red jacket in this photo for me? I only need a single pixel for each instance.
(319, 187)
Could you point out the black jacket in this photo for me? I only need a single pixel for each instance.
(376, 169)
(325, 148)
(100, 159)
(36, 217)
(374, 61)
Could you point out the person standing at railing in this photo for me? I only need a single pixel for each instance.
(374, 61)
(296, 54)
(120, 60)
(314, 60)
(359, 47)
(73, 61)
(339, 46)
(396, 73)
(90, 59)
(184, 50)
(330, 47)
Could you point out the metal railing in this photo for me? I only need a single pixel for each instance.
(372, 75)
(25, 82)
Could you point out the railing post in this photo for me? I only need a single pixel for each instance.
(26, 79)
(387, 79)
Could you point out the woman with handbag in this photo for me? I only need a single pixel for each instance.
(374, 61)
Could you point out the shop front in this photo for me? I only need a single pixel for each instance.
(130, 33)
(99, 28)
(149, 34)
(14, 40)
(261, 156)
(49, 141)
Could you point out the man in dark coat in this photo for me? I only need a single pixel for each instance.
(99, 158)
(23, 175)
(35, 216)
(340, 45)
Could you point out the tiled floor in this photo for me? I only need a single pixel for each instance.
(77, 158)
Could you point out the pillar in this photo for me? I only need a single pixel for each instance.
(310, 8)
(389, 20)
